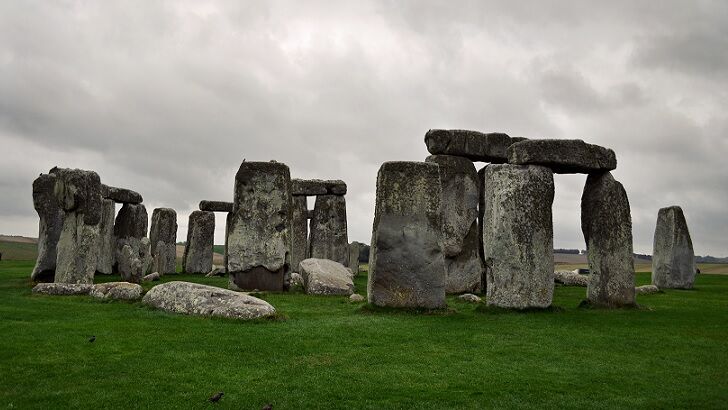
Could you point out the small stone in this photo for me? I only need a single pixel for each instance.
(470, 298)
(117, 291)
(325, 277)
(296, 279)
(647, 289)
(563, 156)
(569, 278)
(152, 277)
(62, 289)
(356, 298)
(216, 271)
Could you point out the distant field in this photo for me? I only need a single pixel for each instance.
(18, 251)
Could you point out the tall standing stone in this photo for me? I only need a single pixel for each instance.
(200, 240)
(130, 227)
(673, 258)
(163, 237)
(259, 228)
(407, 267)
(328, 239)
(481, 212)
(518, 236)
(49, 227)
(299, 232)
(107, 247)
(607, 226)
(460, 243)
(354, 250)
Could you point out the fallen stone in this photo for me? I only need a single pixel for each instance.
(107, 246)
(563, 156)
(473, 145)
(356, 298)
(673, 258)
(216, 271)
(163, 237)
(646, 289)
(117, 291)
(569, 278)
(62, 289)
(197, 257)
(202, 300)
(296, 279)
(121, 195)
(470, 298)
(311, 187)
(216, 206)
(299, 231)
(49, 227)
(325, 277)
(328, 238)
(152, 277)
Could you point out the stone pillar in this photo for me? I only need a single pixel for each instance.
(259, 228)
(328, 238)
(407, 267)
(354, 249)
(299, 233)
(464, 267)
(107, 248)
(200, 240)
(130, 227)
(518, 236)
(49, 227)
(163, 237)
(673, 258)
(607, 226)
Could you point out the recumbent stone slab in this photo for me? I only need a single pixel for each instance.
(673, 258)
(326, 277)
(216, 206)
(121, 195)
(329, 237)
(473, 145)
(311, 187)
(163, 237)
(49, 227)
(200, 240)
(563, 156)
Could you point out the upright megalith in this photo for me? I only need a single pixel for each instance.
(259, 228)
(107, 247)
(607, 226)
(354, 249)
(518, 236)
(130, 227)
(407, 267)
(200, 240)
(328, 239)
(473, 145)
(299, 232)
(49, 227)
(460, 243)
(673, 258)
(563, 156)
(79, 195)
(163, 237)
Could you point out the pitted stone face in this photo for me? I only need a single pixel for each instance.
(216, 206)
(312, 187)
(563, 156)
(50, 226)
(473, 145)
(79, 191)
(299, 234)
(329, 237)
(200, 240)
(163, 236)
(107, 246)
(121, 195)
(673, 258)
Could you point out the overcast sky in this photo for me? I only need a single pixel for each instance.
(167, 98)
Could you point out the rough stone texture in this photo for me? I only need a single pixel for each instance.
(569, 278)
(470, 298)
(473, 145)
(216, 271)
(354, 257)
(197, 257)
(328, 239)
(121, 195)
(309, 214)
(130, 227)
(202, 300)
(518, 236)
(152, 277)
(296, 279)
(259, 228)
(325, 277)
(145, 254)
(163, 237)
(62, 289)
(407, 266)
(460, 243)
(299, 232)
(130, 265)
(79, 191)
(673, 258)
(607, 226)
(356, 298)
(107, 247)
(481, 211)
(311, 187)
(117, 291)
(646, 289)
(563, 156)
(216, 206)
(49, 226)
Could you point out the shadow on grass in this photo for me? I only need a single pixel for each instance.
(369, 309)
(588, 305)
(495, 310)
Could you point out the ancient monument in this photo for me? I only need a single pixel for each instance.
(50, 225)
(200, 240)
(673, 259)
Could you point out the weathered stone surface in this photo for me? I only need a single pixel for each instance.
(216, 206)
(470, 298)
(62, 289)
(563, 156)
(356, 298)
(673, 258)
(646, 289)
(117, 291)
(407, 267)
(130, 265)
(296, 279)
(200, 240)
(460, 243)
(107, 246)
(121, 195)
(569, 278)
(145, 255)
(481, 211)
(325, 277)
(163, 237)
(49, 226)
(202, 300)
(328, 239)
(259, 228)
(473, 145)
(152, 277)
(79, 191)
(606, 222)
(130, 227)
(354, 258)
(216, 271)
(299, 232)
(311, 187)
(518, 236)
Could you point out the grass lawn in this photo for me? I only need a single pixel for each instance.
(325, 352)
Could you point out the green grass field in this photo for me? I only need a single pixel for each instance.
(324, 352)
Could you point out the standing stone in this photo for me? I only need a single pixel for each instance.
(79, 194)
(130, 227)
(49, 226)
(163, 237)
(607, 226)
(107, 248)
(130, 265)
(299, 233)
(328, 238)
(200, 240)
(673, 259)
(481, 212)
(460, 243)
(259, 228)
(407, 267)
(518, 236)
(354, 257)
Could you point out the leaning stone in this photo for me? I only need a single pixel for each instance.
(354, 250)
(163, 237)
(49, 227)
(299, 231)
(259, 228)
(518, 236)
(563, 156)
(202, 300)
(216, 206)
(311, 187)
(407, 267)
(62, 289)
(646, 289)
(473, 145)
(673, 258)
(470, 298)
(117, 291)
(325, 277)
(356, 298)
(121, 195)
(107, 247)
(328, 239)
(152, 277)
(197, 257)
(607, 226)
(569, 278)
